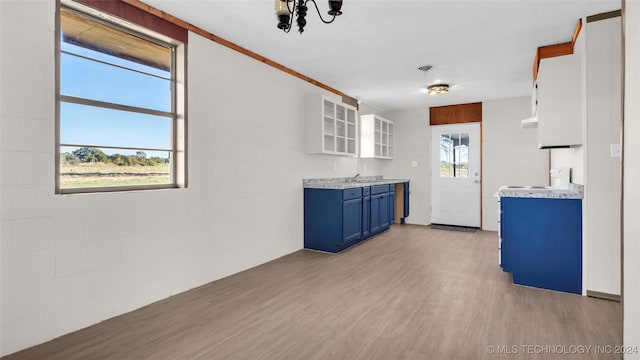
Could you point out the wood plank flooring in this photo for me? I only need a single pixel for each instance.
(410, 293)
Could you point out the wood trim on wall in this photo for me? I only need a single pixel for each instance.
(455, 114)
(139, 17)
(576, 32)
(604, 16)
(549, 51)
(196, 30)
(350, 101)
(603, 295)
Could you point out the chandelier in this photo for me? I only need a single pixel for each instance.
(285, 13)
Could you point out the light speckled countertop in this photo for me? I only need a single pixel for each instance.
(575, 191)
(348, 183)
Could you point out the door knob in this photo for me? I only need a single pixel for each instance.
(476, 181)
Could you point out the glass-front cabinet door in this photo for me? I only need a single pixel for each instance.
(376, 137)
(351, 131)
(330, 127)
(341, 129)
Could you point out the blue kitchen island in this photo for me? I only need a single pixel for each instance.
(541, 237)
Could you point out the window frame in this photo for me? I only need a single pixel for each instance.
(177, 113)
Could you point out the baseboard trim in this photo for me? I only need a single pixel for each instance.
(603, 295)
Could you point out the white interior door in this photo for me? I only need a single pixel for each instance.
(455, 174)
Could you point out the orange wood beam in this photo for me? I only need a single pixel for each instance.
(549, 51)
(197, 30)
(576, 32)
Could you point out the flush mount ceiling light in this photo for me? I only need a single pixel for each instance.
(435, 89)
(285, 12)
(438, 89)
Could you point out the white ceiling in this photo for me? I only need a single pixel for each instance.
(484, 48)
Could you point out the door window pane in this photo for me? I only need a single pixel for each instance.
(454, 155)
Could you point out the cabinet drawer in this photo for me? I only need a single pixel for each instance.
(366, 191)
(379, 189)
(351, 193)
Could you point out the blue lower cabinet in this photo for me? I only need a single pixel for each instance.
(542, 242)
(335, 219)
(332, 218)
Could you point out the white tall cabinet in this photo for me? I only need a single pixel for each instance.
(331, 127)
(602, 159)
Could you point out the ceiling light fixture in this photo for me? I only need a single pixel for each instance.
(438, 89)
(285, 13)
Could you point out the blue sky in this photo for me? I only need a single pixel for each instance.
(81, 124)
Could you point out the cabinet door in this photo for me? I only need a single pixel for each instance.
(384, 212)
(351, 220)
(560, 101)
(376, 221)
(366, 217)
(392, 205)
(329, 126)
(341, 129)
(406, 199)
(505, 256)
(377, 138)
(379, 213)
(390, 145)
(351, 131)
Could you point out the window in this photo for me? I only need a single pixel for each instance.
(454, 155)
(120, 124)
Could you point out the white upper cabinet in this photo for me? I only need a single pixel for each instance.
(376, 137)
(559, 101)
(330, 127)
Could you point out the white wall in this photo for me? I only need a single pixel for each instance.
(72, 261)
(510, 154)
(413, 144)
(602, 175)
(631, 191)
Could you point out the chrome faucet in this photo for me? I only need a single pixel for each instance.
(355, 178)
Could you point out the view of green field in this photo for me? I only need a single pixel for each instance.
(88, 167)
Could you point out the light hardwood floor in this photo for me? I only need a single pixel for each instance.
(410, 293)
